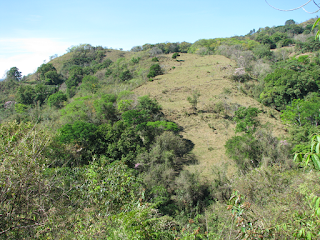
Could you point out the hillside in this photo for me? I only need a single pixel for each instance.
(210, 76)
(204, 140)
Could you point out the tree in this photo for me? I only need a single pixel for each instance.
(75, 77)
(52, 78)
(290, 22)
(57, 99)
(43, 69)
(25, 95)
(246, 119)
(14, 74)
(90, 83)
(155, 70)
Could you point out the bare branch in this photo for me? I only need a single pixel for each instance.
(287, 10)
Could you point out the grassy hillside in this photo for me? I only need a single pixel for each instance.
(206, 127)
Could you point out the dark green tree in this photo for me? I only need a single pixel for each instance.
(43, 69)
(125, 75)
(155, 70)
(246, 119)
(52, 78)
(75, 76)
(14, 74)
(57, 99)
(25, 94)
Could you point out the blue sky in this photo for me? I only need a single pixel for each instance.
(33, 30)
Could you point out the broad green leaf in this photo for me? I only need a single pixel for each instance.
(318, 211)
(317, 148)
(243, 229)
(309, 236)
(316, 161)
(307, 160)
(297, 157)
(315, 24)
(314, 200)
(317, 203)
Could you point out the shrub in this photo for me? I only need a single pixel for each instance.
(90, 83)
(193, 100)
(57, 99)
(135, 60)
(125, 75)
(155, 70)
(155, 59)
(175, 55)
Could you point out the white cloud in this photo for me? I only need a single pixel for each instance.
(28, 54)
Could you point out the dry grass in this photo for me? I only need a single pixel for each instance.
(209, 76)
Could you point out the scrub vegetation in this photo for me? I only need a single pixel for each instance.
(217, 139)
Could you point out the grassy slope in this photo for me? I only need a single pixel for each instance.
(208, 75)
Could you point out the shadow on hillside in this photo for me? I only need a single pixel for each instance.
(187, 158)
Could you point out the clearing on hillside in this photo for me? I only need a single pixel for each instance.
(210, 126)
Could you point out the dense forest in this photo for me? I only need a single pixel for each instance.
(85, 157)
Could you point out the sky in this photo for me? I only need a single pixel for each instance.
(32, 31)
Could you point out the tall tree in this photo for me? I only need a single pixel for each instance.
(14, 74)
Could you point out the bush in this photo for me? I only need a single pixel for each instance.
(125, 75)
(90, 83)
(155, 70)
(155, 59)
(175, 55)
(57, 99)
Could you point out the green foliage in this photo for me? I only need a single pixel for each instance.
(154, 71)
(155, 59)
(151, 106)
(42, 92)
(302, 112)
(78, 132)
(57, 99)
(312, 157)
(25, 94)
(105, 108)
(135, 60)
(251, 151)
(90, 84)
(175, 55)
(52, 78)
(168, 126)
(265, 39)
(80, 109)
(193, 100)
(20, 108)
(75, 77)
(125, 75)
(119, 141)
(24, 202)
(125, 105)
(29, 95)
(311, 45)
(212, 44)
(125, 95)
(262, 51)
(14, 74)
(136, 118)
(45, 68)
(290, 81)
(245, 151)
(246, 119)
